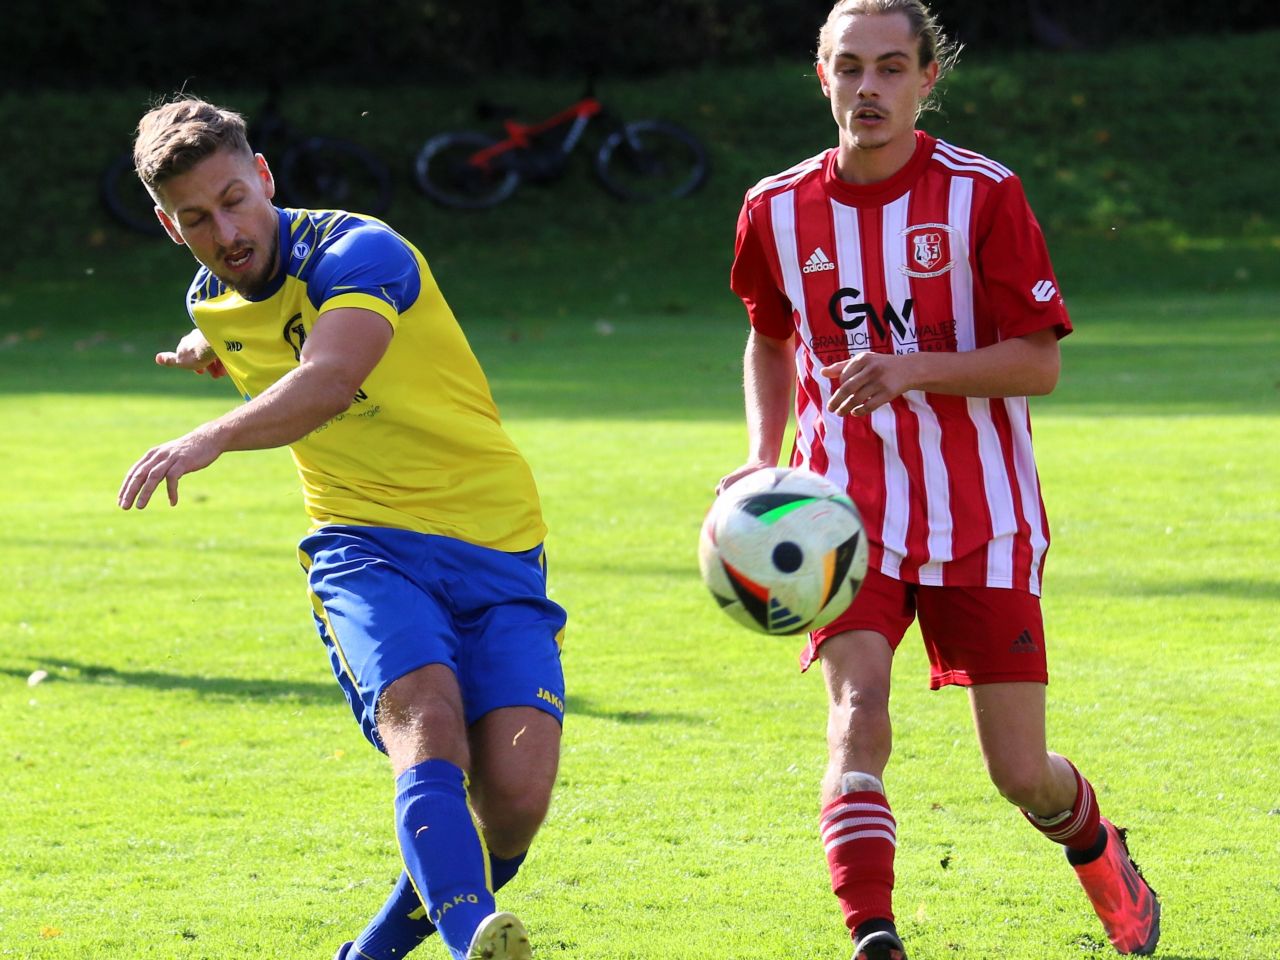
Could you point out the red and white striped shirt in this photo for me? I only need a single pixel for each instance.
(945, 255)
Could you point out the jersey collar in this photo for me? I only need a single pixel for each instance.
(883, 191)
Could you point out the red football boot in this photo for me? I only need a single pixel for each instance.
(1123, 900)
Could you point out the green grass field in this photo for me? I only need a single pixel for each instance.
(188, 777)
(188, 783)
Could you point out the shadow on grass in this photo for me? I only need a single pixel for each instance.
(62, 670)
(634, 368)
(1217, 587)
(230, 688)
(585, 707)
(1209, 587)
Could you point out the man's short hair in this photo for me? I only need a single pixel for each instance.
(173, 137)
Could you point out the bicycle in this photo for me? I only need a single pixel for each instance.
(640, 161)
(310, 171)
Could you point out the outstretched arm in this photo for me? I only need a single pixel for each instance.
(193, 353)
(339, 354)
(768, 377)
(1019, 367)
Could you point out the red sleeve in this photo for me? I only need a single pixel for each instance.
(1014, 269)
(753, 281)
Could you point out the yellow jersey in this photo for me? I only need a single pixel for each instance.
(421, 447)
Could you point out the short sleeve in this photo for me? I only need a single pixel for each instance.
(752, 280)
(1014, 268)
(368, 267)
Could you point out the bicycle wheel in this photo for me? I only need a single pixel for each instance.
(651, 160)
(127, 199)
(330, 174)
(443, 173)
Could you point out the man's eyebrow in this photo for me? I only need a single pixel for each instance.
(845, 55)
(222, 194)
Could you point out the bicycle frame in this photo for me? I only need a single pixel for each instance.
(520, 136)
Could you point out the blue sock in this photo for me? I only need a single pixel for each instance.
(503, 871)
(443, 852)
(400, 925)
(402, 922)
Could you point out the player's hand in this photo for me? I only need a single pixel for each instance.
(866, 382)
(194, 353)
(168, 462)
(729, 479)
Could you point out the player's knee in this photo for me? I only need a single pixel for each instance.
(424, 729)
(859, 722)
(511, 821)
(1024, 785)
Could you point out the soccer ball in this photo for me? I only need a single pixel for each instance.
(783, 551)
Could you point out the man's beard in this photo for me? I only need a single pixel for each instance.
(252, 287)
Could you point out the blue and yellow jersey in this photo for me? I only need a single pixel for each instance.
(422, 447)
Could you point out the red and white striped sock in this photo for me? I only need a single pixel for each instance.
(1076, 828)
(860, 836)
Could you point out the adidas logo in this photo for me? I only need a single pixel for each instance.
(817, 262)
(1024, 644)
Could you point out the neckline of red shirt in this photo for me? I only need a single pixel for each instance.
(882, 191)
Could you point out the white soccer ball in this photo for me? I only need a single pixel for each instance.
(783, 551)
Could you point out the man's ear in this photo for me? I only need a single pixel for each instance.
(930, 79)
(170, 227)
(264, 174)
(822, 78)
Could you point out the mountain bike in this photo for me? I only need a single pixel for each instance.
(639, 161)
(310, 171)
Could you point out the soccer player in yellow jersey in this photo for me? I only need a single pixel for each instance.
(424, 559)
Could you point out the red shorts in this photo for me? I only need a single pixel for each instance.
(974, 635)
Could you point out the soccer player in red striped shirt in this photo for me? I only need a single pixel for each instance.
(901, 287)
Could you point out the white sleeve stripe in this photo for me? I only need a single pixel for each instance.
(961, 155)
(967, 168)
(783, 178)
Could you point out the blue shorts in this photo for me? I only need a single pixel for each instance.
(388, 601)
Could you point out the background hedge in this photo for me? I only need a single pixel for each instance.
(373, 42)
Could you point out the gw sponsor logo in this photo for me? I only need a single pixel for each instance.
(233, 346)
(551, 698)
(849, 312)
(890, 329)
(450, 904)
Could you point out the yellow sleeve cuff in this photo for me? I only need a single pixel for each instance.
(363, 301)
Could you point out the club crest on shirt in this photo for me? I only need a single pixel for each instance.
(928, 250)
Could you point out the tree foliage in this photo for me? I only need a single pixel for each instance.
(162, 43)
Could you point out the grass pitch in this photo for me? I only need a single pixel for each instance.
(187, 782)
